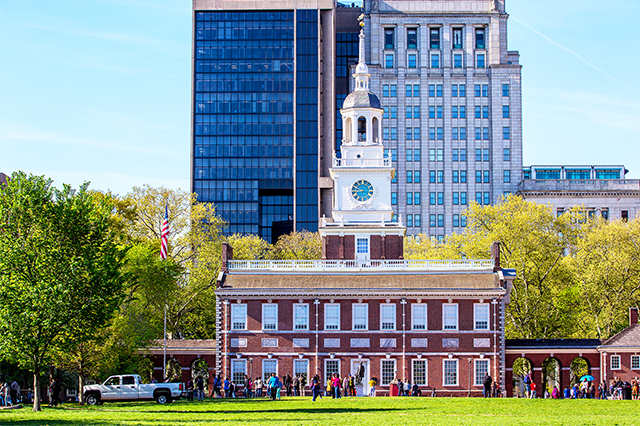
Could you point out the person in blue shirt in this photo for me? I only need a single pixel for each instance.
(226, 388)
(567, 393)
(273, 385)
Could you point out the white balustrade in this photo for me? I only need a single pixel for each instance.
(358, 265)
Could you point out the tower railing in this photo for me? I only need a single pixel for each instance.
(359, 265)
(362, 162)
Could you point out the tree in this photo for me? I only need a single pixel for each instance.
(303, 245)
(607, 265)
(250, 247)
(60, 270)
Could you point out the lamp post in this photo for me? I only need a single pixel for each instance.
(469, 374)
(250, 368)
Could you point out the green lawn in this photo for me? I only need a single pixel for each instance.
(346, 411)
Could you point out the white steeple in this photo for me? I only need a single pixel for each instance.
(362, 70)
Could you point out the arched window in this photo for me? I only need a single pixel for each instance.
(375, 125)
(362, 129)
(347, 130)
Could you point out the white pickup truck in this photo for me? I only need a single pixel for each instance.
(130, 388)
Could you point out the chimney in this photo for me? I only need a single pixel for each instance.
(633, 316)
(227, 254)
(495, 255)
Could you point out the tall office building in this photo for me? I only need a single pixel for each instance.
(452, 99)
(269, 79)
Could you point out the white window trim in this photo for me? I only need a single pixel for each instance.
(233, 317)
(619, 362)
(234, 363)
(475, 369)
(263, 320)
(631, 366)
(326, 378)
(267, 361)
(394, 316)
(457, 371)
(353, 317)
(294, 317)
(297, 361)
(426, 316)
(325, 316)
(475, 311)
(363, 256)
(395, 369)
(426, 371)
(457, 317)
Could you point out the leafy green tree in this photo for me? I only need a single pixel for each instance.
(250, 247)
(303, 245)
(607, 265)
(60, 270)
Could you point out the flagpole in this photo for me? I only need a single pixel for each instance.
(164, 351)
(164, 236)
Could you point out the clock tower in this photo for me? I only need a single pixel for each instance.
(361, 227)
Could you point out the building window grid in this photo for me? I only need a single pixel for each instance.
(332, 316)
(481, 316)
(360, 316)
(635, 362)
(388, 369)
(301, 368)
(450, 369)
(239, 316)
(331, 366)
(238, 370)
(387, 316)
(301, 316)
(450, 316)
(269, 366)
(269, 316)
(615, 362)
(481, 368)
(419, 370)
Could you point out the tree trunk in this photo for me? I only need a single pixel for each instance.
(80, 386)
(36, 390)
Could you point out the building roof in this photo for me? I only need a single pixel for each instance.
(629, 337)
(361, 99)
(370, 284)
(552, 343)
(186, 346)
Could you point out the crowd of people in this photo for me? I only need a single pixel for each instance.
(586, 389)
(256, 388)
(9, 393)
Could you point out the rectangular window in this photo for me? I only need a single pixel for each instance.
(478, 154)
(440, 133)
(385, 91)
(416, 90)
(432, 198)
(239, 316)
(432, 112)
(412, 38)
(416, 221)
(409, 198)
(478, 111)
(331, 366)
(409, 220)
(439, 111)
(463, 91)
(440, 154)
(394, 90)
(506, 176)
(409, 176)
(385, 133)
(394, 133)
(463, 113)
(385, 112)
(454, 90)
(269, 367)
(506, 133)
(440, 176)
(478, 133)
(432, 154)
(419, 371)
(450, 369)
(408, 91)
(408, 114)
(485, 155)
(413, 61)
(481, 316)
(505, 111)
(416, 110)
(394, 112)
(435, 60)
(362, 245)
(269, 316)
(482, 368)
(485, 112)
(440, 221)
(478, 176)
(485, 90)
(485, 133)
(439, 90)
(432, 176)
(480, 61)
(463, 176)
(301, 368)
(416, 133)
(487, 198)
(477, 90)
(432, 90)
(615, 362)
(409, 135)
(394, 198)
(360, 316)
(457, 60)
(450, 316)
(479, 198)
(388, 369)
(388, 316)
(463, 153)
(416, 176)
(389, 41)
(456, 220)
(480, 32)
(301, 316)
(434, 38)
(416, 198)
(416, 155)
(505, 90)
(388, 60)
(635, 362)
(485, 176)
(454, 111)
(457, 38)
(432, 133)
(238, 370)
(463, 221)
(394, 155)
(454, 154)
(432, 220)
(332, 316)
(455, 176)
(506, 154)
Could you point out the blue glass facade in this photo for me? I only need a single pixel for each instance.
(243, 116)
(346, 56)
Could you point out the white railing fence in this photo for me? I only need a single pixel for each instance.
(358, 265)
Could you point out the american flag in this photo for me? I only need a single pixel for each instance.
(164, 235)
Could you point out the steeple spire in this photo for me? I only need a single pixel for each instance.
(362, 70)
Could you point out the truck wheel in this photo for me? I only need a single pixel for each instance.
(92, 399)
(163, 398)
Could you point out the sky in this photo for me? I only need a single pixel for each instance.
(100, 90)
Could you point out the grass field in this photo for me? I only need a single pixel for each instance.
(346, 411)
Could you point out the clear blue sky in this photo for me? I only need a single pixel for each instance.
(99, 90)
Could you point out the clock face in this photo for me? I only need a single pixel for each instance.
(362, 190)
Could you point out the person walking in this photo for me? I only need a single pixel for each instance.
(258, 386)
(190, 390)
(200, 388)
(247, 387)
(217, 384)
(486, 391)
(14, 390)
(372, 387)
(272, 386)
(226, 385)
(296, 384)
(316, 387)
(288, 384)
(345, 385)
